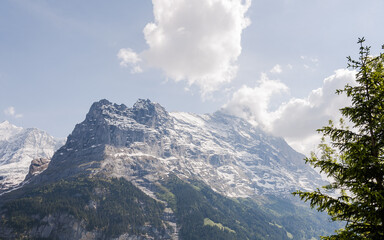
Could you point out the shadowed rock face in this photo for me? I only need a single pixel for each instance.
(145, 143)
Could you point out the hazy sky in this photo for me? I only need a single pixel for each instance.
(276, 63)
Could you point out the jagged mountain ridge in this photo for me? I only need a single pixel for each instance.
(18, 147)
(145, 143)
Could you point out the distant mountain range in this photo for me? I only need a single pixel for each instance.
(18, 147)
(145, 173)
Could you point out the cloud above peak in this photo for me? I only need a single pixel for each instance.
(129, 59)
(195, 41)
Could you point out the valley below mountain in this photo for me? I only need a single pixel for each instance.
(145, 173)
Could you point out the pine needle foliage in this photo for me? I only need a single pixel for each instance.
(354, 159)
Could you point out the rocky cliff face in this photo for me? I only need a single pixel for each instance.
(18, 147)
(145, 143)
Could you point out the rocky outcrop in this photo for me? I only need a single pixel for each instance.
(37, 166)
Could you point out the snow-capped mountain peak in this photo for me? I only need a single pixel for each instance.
(7, 130)
(18, 147)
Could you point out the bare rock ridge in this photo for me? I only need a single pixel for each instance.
(145, 143)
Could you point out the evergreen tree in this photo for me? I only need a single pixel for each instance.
(354, 159)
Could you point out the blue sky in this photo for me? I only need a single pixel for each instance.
(272, 62)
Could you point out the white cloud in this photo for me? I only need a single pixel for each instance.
(297, 119)
(276, 69)
(11, 112)
(314, 60)
(310, 63)
(198, 41)
(252, 103)
(129, 59)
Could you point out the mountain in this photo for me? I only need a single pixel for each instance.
(18, 147)
(144, 173)
(146, 142)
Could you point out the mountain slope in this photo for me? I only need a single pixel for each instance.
(18, 147)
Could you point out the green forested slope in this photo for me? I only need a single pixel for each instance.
(110, 206)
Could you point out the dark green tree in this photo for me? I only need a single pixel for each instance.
(354, 158)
